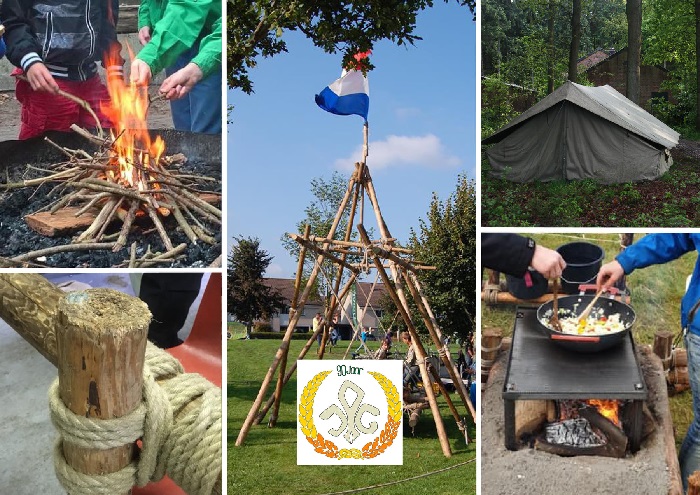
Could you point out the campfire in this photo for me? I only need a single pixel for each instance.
(585, 427)
(129, 179)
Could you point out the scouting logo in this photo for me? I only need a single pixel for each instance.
(349, 412)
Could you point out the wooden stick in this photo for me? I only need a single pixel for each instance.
(98, 140)
(182, 222)
(67, 248)
(277, 396)
(105, 214)
(159, 227)
(126, 227)
(99, 330)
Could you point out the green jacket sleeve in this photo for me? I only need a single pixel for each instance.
(209, 57)
(144, 15)
(176, 32)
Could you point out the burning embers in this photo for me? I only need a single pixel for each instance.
(585, 427)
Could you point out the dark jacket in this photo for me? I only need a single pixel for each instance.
(68, 37)
(507, 253)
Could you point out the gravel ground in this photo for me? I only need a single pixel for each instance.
(505, 472)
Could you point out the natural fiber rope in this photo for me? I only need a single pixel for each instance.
(179, 439)
(390, 483)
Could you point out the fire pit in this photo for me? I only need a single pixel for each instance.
(33, 159)
(539, 369)
(568, 384)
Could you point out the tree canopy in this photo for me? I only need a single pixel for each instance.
(255, 28)
(327, 195)
(447, 240)
(249, 298)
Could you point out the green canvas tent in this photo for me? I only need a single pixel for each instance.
(580, 132)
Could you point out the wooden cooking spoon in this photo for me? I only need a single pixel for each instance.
(586, 312)
(554, 319)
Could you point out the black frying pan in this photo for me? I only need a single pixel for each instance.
(573, 306)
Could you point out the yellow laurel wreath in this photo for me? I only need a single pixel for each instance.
(328, 448)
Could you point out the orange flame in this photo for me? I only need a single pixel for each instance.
(608, 408)
(134, 150)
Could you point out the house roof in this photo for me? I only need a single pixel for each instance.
(285, 286)
(593, 59)
(365, 290)
(603, 101)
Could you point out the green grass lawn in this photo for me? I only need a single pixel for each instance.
(266, 463)
(656, 293)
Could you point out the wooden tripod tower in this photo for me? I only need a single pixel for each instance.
(392, 263)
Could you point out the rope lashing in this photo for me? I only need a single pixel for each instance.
(178, 438)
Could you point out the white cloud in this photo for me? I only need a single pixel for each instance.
(395, 151)
(408, 112)
(274, 270)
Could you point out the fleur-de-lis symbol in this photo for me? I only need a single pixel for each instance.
(351, 419)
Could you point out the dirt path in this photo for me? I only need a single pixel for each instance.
(158, 115)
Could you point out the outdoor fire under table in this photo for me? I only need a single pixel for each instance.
(540, 369)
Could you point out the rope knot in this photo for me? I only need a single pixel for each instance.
(176, 437)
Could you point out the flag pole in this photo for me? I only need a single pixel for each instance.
(365, 146)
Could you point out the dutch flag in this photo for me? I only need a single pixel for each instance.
(348, 95)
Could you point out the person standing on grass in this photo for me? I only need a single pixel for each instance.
(55, 46)
(316, 327)
(181, 35)
(410, 363)
(654, 249)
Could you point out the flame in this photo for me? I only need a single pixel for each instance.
(134, 150)
(608, 408)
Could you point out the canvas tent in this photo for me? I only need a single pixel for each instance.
(580, 132)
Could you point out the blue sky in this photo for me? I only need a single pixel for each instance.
(421, 131)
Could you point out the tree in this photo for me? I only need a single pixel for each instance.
(447, 240)
(319, 215)
(634, 48)
(249, 298)
(255, 28)
(575, 40)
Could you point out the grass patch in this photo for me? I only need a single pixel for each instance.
(664, 202)
(656, 294)
(266, 463)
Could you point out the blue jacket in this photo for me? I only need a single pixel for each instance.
(653, 249)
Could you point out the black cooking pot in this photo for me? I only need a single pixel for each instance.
(531, 286)
(573, 306)
(583, 262)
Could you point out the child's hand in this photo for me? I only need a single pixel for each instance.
(41, 79)
(179, 84)
(144, 35)
(140, 72)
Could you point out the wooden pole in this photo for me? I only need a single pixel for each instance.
(283, 364)
(435, 333)
(302, 354)
(254, 409)
(420, 351)
(101, 347)
(28, 303)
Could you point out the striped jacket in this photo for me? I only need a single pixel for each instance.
(68, 37)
